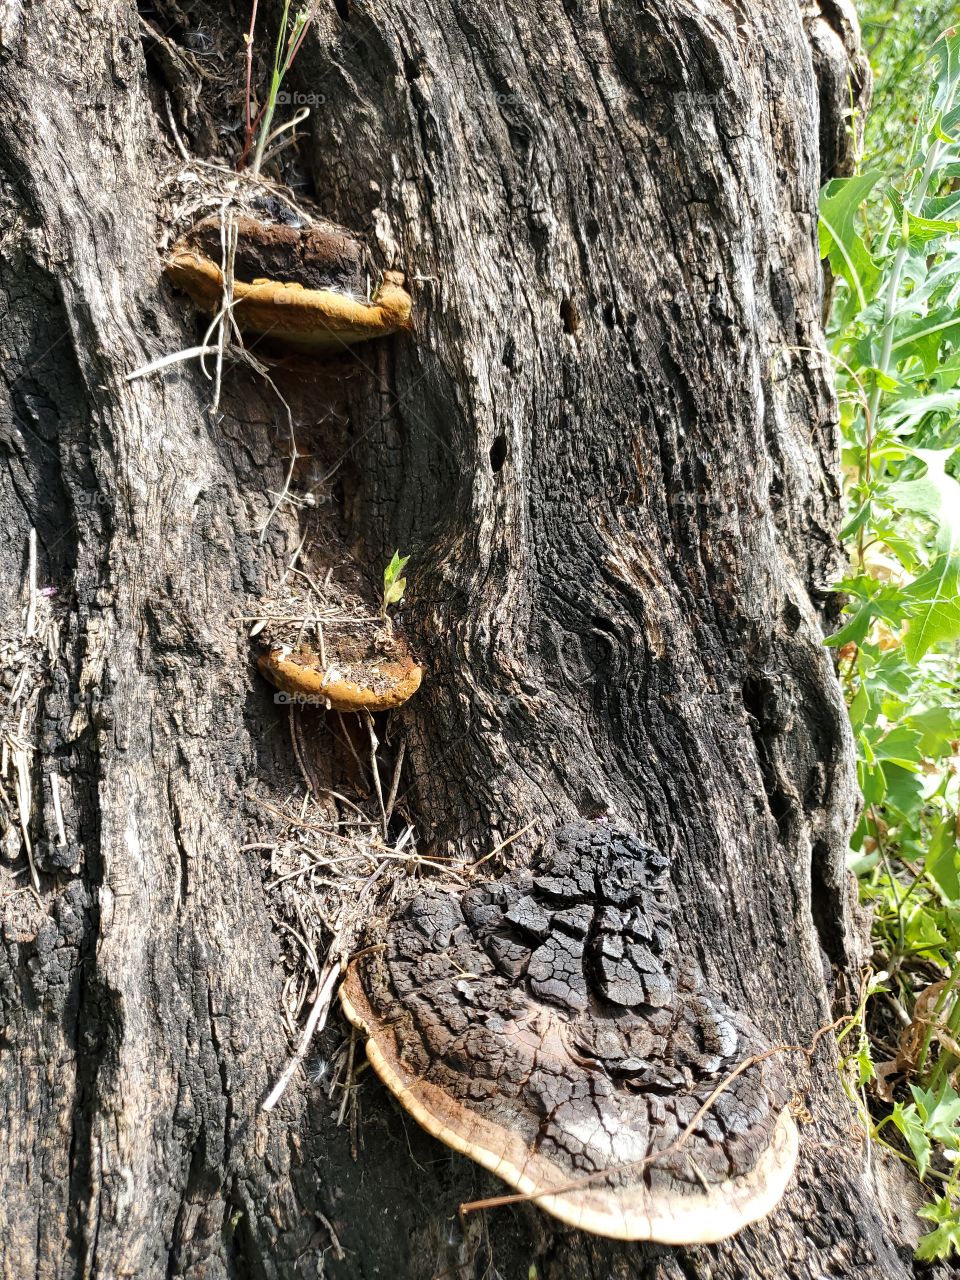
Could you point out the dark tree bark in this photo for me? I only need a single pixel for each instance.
(609, 444)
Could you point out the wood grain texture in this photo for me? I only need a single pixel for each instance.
(609, 444)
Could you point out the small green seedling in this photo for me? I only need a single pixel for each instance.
(290, 37)
(393, 584)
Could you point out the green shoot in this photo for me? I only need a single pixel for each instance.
(394, 585)
(290, 37)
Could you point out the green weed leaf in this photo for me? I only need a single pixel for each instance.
(840, 241)
(940, 1113)
(934, 608)
(944, 1240)
(907, 1119)
(393, 584)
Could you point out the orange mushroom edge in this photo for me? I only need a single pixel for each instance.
(371, 686)
(299, 304)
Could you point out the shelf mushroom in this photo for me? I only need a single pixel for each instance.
(367, 684)
(300, 287)
(543, 1025)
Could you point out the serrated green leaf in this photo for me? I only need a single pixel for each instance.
(944, 1240)
(916, 230)
(840, 241)
(940, 1111)
(855, 630)
(900, 746)
(864, 1061)
(858, 521)
(393, 584)
(933, 600)
(873, 784)
(942, 206)
(907, 414)
(923, 932)
(923, 337)
(940, 499)
(904, 790)
(907, 1120)
(938, 727)
(947, 53)
(860, 706)
(942, 860)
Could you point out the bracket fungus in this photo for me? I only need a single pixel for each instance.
(373, 683)
(299, 286)
(546, 1025)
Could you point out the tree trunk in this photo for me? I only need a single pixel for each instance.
(609, 445)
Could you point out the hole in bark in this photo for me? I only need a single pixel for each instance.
(498, 453)
(570, 316)
(761, 718)
(343, 9)
(823, 903)
(610, 316)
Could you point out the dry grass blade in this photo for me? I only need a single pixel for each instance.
(316, 1020)
(29, 643)
(330, 868)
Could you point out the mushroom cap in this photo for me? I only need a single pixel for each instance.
(297, 285)
(316, 319)
(545, 1026)
(381, 686)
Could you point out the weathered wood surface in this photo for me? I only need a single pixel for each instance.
(609, 444)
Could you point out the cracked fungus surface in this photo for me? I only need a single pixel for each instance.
(546, 1025)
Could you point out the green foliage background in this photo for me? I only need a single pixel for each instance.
(892, 236)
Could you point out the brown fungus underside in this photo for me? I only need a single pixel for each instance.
(372, 683)
(547, 1025)
(299, 287)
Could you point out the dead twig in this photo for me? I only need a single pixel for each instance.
(375, 770)
(348, 1076)
(395, 780)
(316, 1021)
(503, 844)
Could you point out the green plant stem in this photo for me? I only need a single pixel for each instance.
(888, 867)
(913, 206)
(279, 68)
(944, 1064)
(893, 289)
(248, 100)
(901, 1156)
(945, 995)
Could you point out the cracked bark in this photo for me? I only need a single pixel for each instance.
(610, 446)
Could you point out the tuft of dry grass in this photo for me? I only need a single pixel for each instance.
(309, 604)
(29, 644)
(328, 871)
